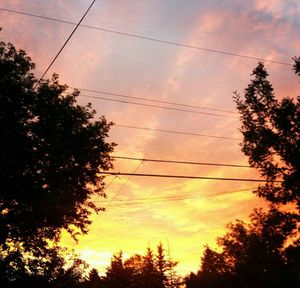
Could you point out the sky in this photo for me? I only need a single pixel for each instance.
(182, 214)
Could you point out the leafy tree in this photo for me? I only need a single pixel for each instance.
(135, 264)
(153, 270)
(214, 262)
(252, 255)
(143, 271)
(94, 280)
(209, 280)
(264, 253)
(148, 271)
(117, 275)
(51, 153)
(255, 252)
(271, 130)
(18, 270)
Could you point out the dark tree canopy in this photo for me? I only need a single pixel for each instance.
(49, 270)
(51, 153)
(252, 255)
(148, 271)
(271, 130)
(93, 280)
(265, 252)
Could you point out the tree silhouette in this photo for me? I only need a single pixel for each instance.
(214, 262)
(150, 274)
(17, 270)
(265, 252)
(51, 153)
(252, 255)
(94, 280)
(148, 271)
(255, 252)
(166, 269)
(117, 275)
(162, 266)
(271, 130)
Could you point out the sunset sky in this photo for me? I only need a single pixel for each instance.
(143, 211)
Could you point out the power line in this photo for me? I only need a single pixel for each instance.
(123, 186)
(64, 45)
(175, 197)
(176, 132)
(153, 100)
(104, 189)
(156, 106)
(149, 38)
(144, 200)
(187, 177)
(181, 162)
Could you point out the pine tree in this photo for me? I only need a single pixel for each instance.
(117, 275)
(271, 130)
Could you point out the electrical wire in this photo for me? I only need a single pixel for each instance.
(181, 162)
(144, 200)
(123, 186)
(65, 43)
(105, 188)
(176, 132)
(187, 177)
(156, 106)
(152, 100)
(175, 197)
(150, 38)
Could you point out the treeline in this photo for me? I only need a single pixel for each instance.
(56, 270)
(148, 271)
(264, 253)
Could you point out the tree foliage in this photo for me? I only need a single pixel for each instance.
(271, 130)
(252, 255)
(117, 274)
(54, 268)
(93, 280)
(265, 252)
(148, 271)
(51, 153)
